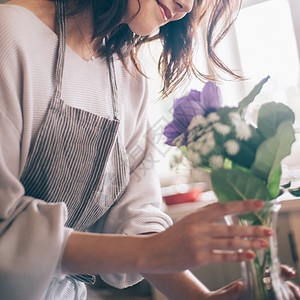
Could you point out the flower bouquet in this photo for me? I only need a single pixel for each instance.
(244, 162)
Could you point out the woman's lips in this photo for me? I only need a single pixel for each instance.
(166, 13)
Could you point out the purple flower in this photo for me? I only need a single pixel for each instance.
(187, 107)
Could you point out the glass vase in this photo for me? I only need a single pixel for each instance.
(262, 275)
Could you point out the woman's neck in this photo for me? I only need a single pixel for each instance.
(79, 33)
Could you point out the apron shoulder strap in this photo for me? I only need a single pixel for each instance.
(61, 17)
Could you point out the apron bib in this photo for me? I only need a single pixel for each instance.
(72, 152)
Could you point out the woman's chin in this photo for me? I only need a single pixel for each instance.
(143, 31)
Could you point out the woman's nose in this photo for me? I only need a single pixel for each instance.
(184, 5)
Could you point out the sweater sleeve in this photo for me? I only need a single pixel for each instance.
(139, 211)
(140, 208)
(32, 232)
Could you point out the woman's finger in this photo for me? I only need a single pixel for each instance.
(232, 244)
(287, 272)
(217, 211)
(233, 291)
(295, 289)
(221, 231)
(231, 256)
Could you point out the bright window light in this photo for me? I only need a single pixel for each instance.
(267, 43)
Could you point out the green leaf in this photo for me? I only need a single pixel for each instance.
(235, 184)
(250, 217)
(255, 218)
(256, 139)
(280, 192)
(287, 185)
(245, 157)
(295, 192)
(270, 152)
(227, 163)
(244, 103)
(183, 150)
(271, 115)
(273, 185)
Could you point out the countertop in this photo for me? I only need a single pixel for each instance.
(289, 203)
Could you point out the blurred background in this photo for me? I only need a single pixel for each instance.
(265, 40)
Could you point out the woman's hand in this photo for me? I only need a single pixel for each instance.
(196, 240)
(234, 290)
(289, 273)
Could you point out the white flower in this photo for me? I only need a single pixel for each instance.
(216, 161)
(203, 131)
(196, 146)
(194, 157)
(213, 117)
(208, 128)
(191, 137)
(206, 143)
(207, 136)
(243, 131)
(222, 128)
(232, 147)
(208, 146)
(199, 133)
(178, 141)
(175, 161)
(198, 120)
(235, 118)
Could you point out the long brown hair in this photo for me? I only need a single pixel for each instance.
(178, 38)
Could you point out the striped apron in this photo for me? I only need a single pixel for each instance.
(78, 159)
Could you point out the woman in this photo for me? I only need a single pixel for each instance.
(74, 196)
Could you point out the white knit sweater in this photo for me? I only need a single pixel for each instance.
(32, 232)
